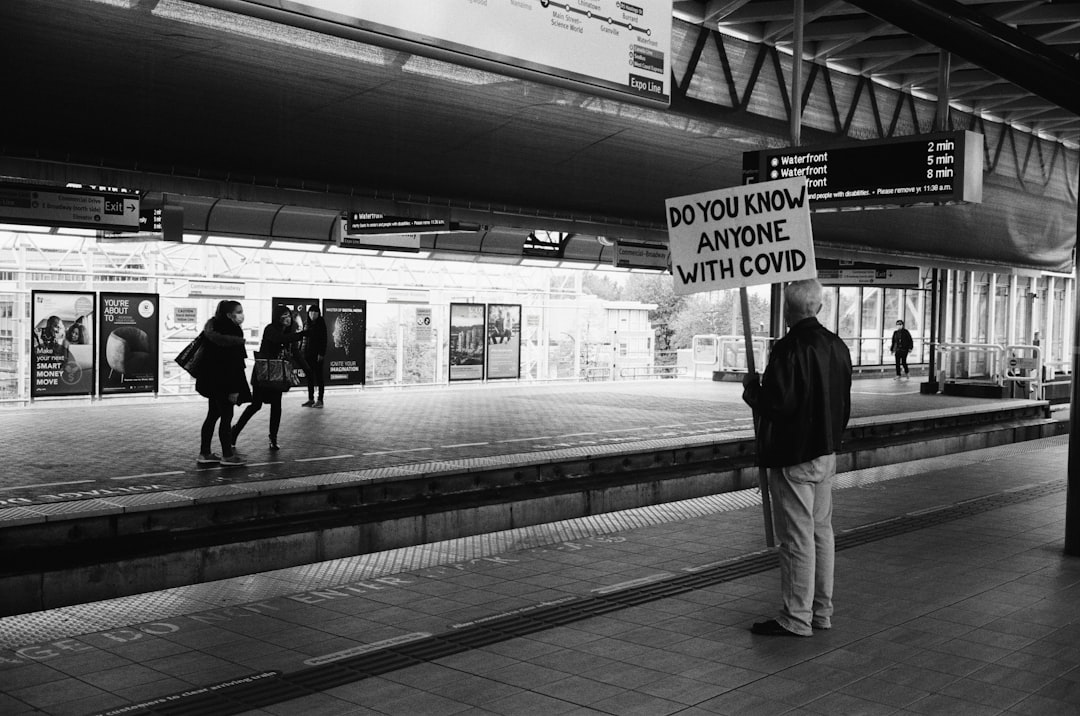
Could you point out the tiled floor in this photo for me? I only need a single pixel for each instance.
(953, 597)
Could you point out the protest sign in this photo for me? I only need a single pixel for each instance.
(741, 236)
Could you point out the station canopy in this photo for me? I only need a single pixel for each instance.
(249, 111)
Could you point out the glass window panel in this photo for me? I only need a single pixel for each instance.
(1001, 312)
(870, 351)
(893, 306)
(827, 314)
(848, 313)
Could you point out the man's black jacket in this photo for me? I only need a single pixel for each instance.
(804, 400)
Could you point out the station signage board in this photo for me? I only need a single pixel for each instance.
(610, 47)
(938, 168)
(164, 223)
(858, 273)
(78, 208)
(372, 224)
(631, 254)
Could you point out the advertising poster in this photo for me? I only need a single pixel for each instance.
(299, 309)
(504, 341)
(346, 333)
(467, 341)
(62, 349)
(128, 343)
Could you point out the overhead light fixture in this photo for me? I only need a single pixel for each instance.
(406, 256)
(238, 241)
(81, 233)
(428, 67)
(25, 229)
(281, 34)
(280, 245)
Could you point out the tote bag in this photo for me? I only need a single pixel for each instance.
(275, 373)
(191, 357)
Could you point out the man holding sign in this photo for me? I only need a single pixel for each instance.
(803, 404)
(761, 234)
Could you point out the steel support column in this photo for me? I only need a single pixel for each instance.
(1072, 500)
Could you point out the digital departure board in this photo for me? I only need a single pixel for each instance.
(939, 168)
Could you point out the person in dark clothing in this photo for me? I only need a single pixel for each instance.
(222, 382)
(901, 346)
(315, 356)
(802, 405)
(277, 339)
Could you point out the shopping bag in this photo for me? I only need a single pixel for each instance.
(294, 376)
(190, 358)
(274, 374)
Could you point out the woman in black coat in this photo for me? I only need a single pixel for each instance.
(222, 381)
(277, 338)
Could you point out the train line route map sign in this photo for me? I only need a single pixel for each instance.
(743, 236)
(615, 47)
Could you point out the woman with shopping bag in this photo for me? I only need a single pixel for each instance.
(222, 382)
(278, 339)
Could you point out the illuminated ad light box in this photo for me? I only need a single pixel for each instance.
(939, 168)
(127, 343)
(613, 47)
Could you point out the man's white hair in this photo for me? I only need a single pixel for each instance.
(804, 298)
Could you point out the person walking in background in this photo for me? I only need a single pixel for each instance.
(901, 346)
(222, 382)
(315, 356)
(802, 405)
(278, 338)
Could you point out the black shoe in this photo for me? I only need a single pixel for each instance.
(273, 444)
(771, 628)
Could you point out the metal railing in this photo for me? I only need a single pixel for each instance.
(970, 362)
(1021, 365)
(652, 371)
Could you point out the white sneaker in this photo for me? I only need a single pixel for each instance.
(207, 460)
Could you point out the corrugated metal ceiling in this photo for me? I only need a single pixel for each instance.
(174, 96)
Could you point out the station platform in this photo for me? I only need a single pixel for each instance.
(102, 500)
(74, 450)
(953, 597)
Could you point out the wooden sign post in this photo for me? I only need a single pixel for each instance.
(763, 472)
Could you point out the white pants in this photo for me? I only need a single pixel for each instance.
(802, 520)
